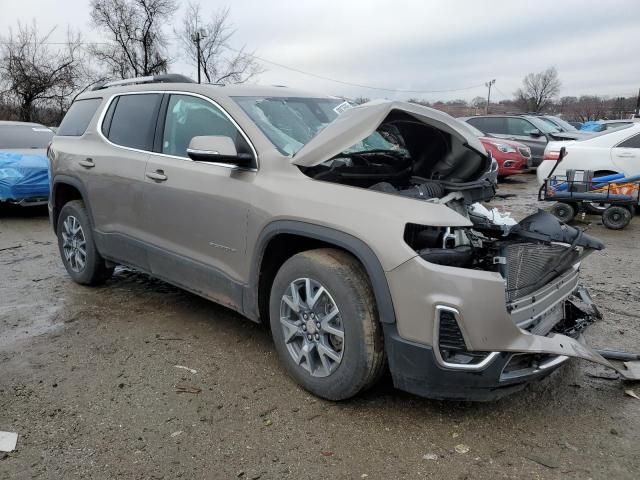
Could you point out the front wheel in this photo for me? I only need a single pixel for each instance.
(325, 325)
(77, 248)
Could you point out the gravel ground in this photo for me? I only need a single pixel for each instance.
(88, 379)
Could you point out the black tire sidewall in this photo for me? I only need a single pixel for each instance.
(93, 271)
(566, 207)
(350, 376)
(616, 225)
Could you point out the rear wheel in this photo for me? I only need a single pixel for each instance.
(564, 211)
(616, 217)
(77, 248)
(324, 323)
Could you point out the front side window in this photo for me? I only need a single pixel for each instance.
(189, 117)
(77, 119)
(519, 126)
(132, 121)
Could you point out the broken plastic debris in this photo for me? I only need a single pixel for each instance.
(186, 368)
(175, 434)
(631, 393)
(461, 448)
(8, 441)
(494, 215)
(430, 456)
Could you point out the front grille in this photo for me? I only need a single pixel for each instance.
(525, 152)
(529, 266)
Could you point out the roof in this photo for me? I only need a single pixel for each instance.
(6, 123)
(210, 90)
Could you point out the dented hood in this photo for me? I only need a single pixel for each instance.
(356, 124)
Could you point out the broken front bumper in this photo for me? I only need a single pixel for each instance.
(456, 338)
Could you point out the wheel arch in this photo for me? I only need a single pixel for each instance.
(307, 236)
(65, 189)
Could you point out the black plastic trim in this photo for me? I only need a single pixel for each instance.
(414, 369)
(353, 245)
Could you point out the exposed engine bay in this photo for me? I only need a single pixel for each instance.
(412, 159)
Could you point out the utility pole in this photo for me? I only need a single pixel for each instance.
(488, 85)
(196, 38)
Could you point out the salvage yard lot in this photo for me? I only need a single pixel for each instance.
(88, 379)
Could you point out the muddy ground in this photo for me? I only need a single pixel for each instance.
(88, 379)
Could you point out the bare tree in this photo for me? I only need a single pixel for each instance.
(35, 74)
(538, 89)
(219, 62)
(137, 45)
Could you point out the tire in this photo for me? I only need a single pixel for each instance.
(347, 290)
(616, 217)
(90, 269)
(564, 211)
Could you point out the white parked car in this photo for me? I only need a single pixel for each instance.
(611, 151)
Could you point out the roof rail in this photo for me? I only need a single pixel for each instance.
(164, 78)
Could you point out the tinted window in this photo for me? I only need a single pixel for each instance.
(25, 136)
(189, 117)
(134, 120)
(633, 142)
(519, 126)
(77, 119)
(489, 124)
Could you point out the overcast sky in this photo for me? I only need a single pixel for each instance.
(412, 45)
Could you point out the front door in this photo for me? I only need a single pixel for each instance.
(626, 155)
(196, 212)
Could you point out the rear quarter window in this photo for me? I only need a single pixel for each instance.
(633, 142)
(133, 121)
(77, 119)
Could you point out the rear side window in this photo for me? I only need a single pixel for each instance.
(633, 142)
(132, 122)
(24, 136)
(77, 119)
(488, 124)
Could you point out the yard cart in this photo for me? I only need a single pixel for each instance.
(578, 191)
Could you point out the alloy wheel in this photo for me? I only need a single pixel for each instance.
(74, 244)
(312, 327)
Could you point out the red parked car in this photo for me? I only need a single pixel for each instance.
(512, 157)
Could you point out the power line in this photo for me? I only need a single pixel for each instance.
(303, 72)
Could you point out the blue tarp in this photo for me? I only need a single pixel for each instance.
(23, 176)
(591, 126)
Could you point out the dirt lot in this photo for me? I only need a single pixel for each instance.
(88, 379)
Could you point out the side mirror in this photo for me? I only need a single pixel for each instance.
(535, 133)
(217, 149)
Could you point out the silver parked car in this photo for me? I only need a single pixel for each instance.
(356, 233)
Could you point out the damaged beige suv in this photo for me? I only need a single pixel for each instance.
(356, 233)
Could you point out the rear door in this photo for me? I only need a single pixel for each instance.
(195, 213)
(626, 155)
(115, 167)
(520, 129)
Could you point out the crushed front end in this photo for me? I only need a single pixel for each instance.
(486, 309)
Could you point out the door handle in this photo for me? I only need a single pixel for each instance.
(625, 154)
(88, 163)
(158, 175)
